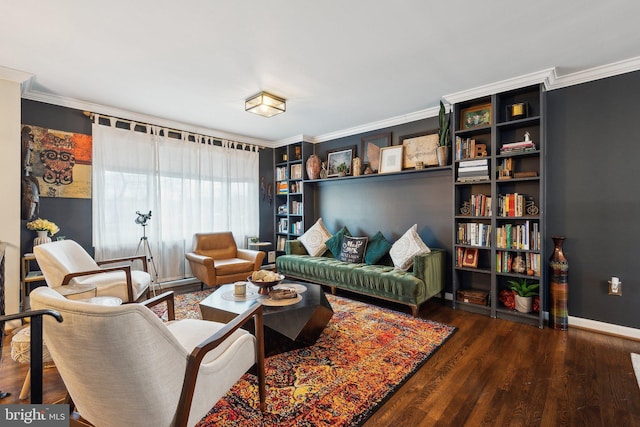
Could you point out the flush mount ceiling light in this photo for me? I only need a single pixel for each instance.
(265, 104)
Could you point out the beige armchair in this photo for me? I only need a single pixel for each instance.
(123, 366)
(216, 260)
(66, 263)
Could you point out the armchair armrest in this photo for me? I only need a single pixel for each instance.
(142, 258)
(207, 261)
(127, 272)
(256, 257)
(198, 353)
(163, 297)
(429, 268)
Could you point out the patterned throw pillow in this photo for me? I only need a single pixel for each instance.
(377, 247)
(353, 249)
(314, 238)
(406, 247)
(335, 242)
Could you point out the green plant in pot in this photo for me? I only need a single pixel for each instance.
(524, 292)
(444, 136)
(342, 169)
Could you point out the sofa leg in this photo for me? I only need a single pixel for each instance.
(414, 310)
(334, 290)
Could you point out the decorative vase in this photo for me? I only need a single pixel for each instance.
(524, 304)
(356, 168)
(43, 237)
(442, 153)
(559, 313)
(313, 167)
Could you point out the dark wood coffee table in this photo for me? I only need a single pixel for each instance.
(287, 327)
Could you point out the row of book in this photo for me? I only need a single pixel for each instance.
(478, 205)
(296, 207)
(518, 236)
(282, 209)
(466, 148)
(283, 187)
(506, 262)
(281, 173)
(512, 204)
(297, 228)
(473, 170)
(474, 234)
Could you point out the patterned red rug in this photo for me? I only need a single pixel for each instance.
(364, 355)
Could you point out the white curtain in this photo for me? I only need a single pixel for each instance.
(189, 187)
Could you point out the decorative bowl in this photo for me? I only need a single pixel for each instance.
(265, 287)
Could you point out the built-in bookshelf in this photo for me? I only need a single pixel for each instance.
(294, 207)
(498, 150)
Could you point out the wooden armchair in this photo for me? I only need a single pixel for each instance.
(216, 260)
(65, 263)
(123, 366)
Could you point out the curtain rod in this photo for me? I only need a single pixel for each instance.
(92, 115)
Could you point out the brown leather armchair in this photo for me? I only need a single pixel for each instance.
(216, 260)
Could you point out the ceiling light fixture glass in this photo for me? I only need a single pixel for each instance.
(265, 104)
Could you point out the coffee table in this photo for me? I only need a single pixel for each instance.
(286, 327)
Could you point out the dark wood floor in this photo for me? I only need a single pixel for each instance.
(491, 372)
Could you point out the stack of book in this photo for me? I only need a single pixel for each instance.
(473, 170)
(517, 147)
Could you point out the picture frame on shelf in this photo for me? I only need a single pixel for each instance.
(379, 140)
(475, 116)
(391, 159)
(420, 147)
(337, 157)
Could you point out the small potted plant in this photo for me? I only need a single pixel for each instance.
(342, 169)
(524, 293)
(444, 137)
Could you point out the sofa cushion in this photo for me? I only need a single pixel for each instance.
(406, 247)
(315, 237)
(353, 249)
(335, 242)
(377, 247)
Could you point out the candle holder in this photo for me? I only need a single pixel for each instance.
(516, 111)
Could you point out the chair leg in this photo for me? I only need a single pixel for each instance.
(26, 387)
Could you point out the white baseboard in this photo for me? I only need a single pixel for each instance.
(592, 325)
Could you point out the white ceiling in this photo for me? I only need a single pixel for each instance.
(340, 64)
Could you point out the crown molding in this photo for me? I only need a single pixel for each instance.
(393, 121)
(62, 101)
(596, 73)
(545, 77)
(292, 140)
(16, 76)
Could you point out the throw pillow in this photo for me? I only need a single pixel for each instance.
(377, 247)
(335, 242)
(353, 249)
(314, 238)
(406, 247)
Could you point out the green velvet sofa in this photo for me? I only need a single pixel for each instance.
(412, 288)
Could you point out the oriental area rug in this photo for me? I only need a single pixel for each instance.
(363, 356)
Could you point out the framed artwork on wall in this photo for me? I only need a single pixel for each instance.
(336, 158)
(420, 147)
(478, 115)
(391, 159)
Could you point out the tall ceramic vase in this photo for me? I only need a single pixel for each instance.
(559, 315)
(43, 237)
(313, 167)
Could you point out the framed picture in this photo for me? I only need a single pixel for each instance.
(374, 141)
(420, 147)
(336, 158)
(472, 117)
(391, 159)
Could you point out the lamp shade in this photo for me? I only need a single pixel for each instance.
(265, 104)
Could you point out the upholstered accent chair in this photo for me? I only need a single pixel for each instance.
(66, 263)
(123, 366)
(216, 260)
